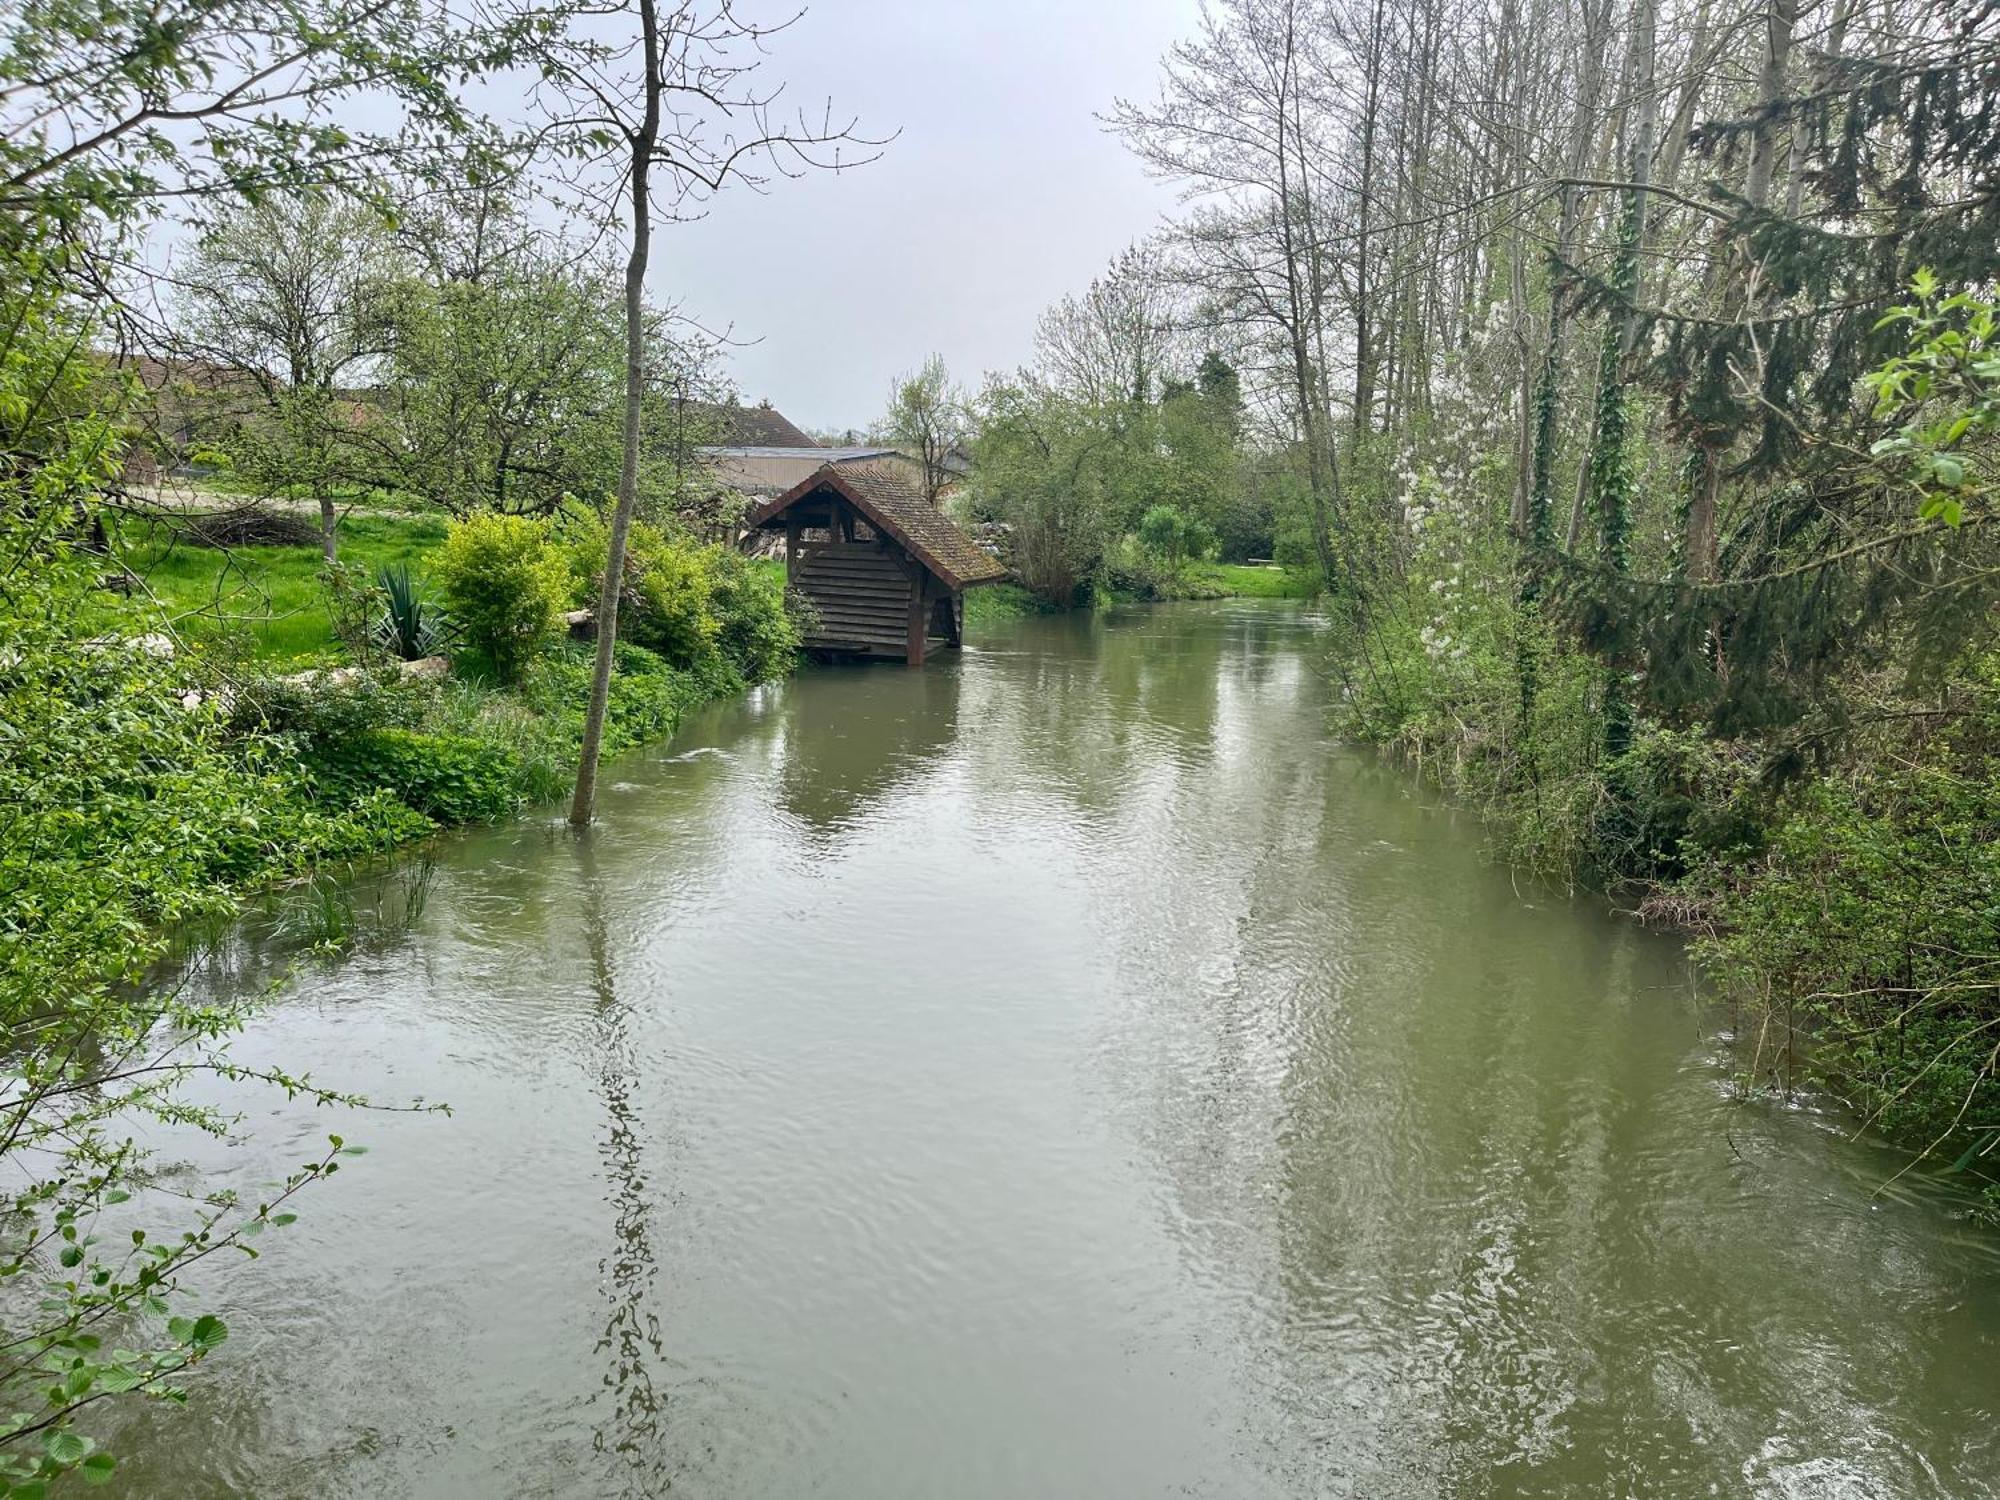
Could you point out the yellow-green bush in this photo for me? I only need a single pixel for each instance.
(700, 608)
(506, 584)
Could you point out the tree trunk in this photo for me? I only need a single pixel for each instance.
(1702, 541)
(329, 523)
(1780, 18)
(1610, 459)
(583, 802)
(1590, 87)
(1364, 343)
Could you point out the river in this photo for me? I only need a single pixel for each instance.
(1061, 1071)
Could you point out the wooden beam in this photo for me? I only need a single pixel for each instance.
(919, 622)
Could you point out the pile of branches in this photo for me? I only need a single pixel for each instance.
(248, 526)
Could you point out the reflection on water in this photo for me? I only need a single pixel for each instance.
(631, 1341)
(1059, 1071)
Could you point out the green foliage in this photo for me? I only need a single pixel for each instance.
(1873, 919)
(129, 810)
(670, 598)
(755, 631)
(1072, 478)
(1172, 538)
(410, 627)
(505, 384)
(506, 585)
(452, 778)
(1944, 389)
(700, 608)
(648, 697)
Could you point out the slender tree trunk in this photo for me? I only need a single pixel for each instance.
(1295, 296)
(1537, 522)
(329, 525)
(583, 802)
(1610, 459)
(1364, 342)
(1702, 542)
(1780, 19)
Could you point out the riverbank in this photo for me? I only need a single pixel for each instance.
(1282, 1102)
(179, 761)
(1194, 582)
(1842, 888)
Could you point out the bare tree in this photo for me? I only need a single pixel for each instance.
(1231, 126)
(1111, 344)
(658, 108)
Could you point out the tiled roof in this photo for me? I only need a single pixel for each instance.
(895, 506)
(758, 450)
(750, 426)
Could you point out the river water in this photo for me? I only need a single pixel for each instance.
(1061, 1071)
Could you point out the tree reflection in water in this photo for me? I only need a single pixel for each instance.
(631, 1430)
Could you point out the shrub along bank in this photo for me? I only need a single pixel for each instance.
(696, 623)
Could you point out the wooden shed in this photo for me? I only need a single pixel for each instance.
(884, 569)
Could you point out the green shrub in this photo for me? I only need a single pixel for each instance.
(1171, 537)
(690, 605)
(669, 605)
(1876, 908)
(315, 713)
(507, 586)
(453, 778)
(757, 633)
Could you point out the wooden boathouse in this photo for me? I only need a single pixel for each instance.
(884, 569)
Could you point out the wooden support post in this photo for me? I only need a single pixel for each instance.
(919, 620)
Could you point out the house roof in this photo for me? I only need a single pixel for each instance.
(752, 426)
(760, 470)
(760, 450)
(898, 509)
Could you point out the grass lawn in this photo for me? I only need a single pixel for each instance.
(1245, 582)
(267, 600)
(1002, 601)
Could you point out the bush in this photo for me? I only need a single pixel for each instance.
(690, 605)
(757, 633)
(670, 598)
(1876, 906)
(453, 778)
(507, 586)
(1171, 538)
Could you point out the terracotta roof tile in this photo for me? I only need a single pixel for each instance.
(750, 426)
(897, 507)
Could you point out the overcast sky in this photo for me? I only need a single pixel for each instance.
(1001, 194)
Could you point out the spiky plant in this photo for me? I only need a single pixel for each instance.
(411, 626)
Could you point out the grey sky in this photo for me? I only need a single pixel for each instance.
(1000, 195)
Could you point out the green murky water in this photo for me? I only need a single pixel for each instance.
(1059, 1072)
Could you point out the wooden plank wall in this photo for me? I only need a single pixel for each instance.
(862, 595)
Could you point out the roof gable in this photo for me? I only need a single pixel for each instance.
(896, 509)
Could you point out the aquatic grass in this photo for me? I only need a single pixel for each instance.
(320, 916)
(415, 880)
